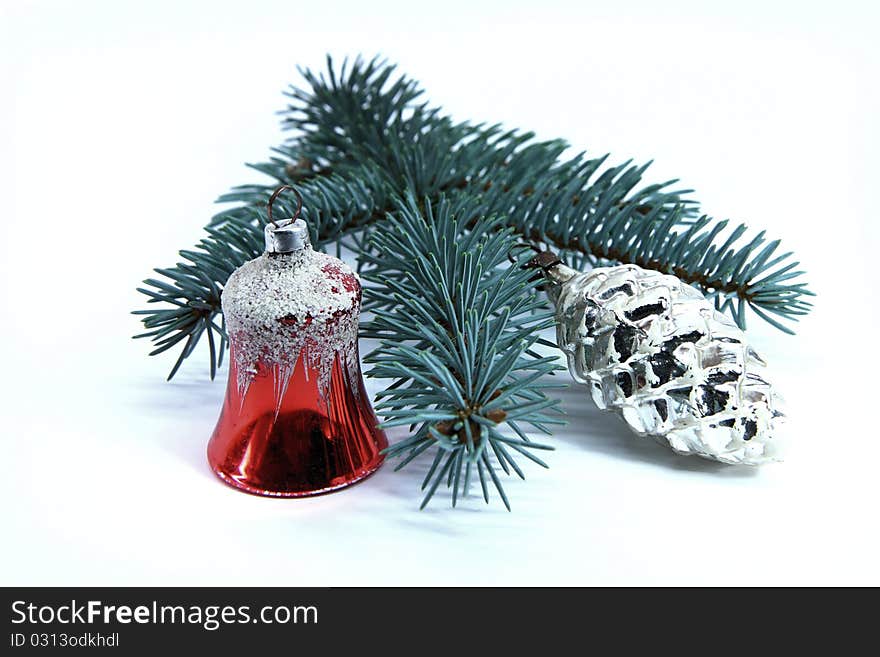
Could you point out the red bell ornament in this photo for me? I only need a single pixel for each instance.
(296, 420)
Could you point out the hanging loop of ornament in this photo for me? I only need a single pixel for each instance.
(276, 194)
(543, 260)
(516, 249)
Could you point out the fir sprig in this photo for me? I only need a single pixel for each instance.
(456, 326)
(362, 140)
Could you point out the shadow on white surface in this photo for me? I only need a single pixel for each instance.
(599, 431)
(183, 413)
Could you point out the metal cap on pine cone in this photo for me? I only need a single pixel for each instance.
(296, 420)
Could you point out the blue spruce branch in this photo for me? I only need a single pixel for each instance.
(409, 191)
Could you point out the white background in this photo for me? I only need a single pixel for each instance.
(122, 122)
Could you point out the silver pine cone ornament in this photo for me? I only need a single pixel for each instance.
(654, 350)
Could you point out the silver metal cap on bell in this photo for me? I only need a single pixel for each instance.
(286, 236)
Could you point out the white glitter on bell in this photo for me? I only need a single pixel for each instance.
(284, 306)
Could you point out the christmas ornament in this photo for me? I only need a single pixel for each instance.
(656, 351)
(296, 420)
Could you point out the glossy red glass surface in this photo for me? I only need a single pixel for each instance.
(312, 445)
